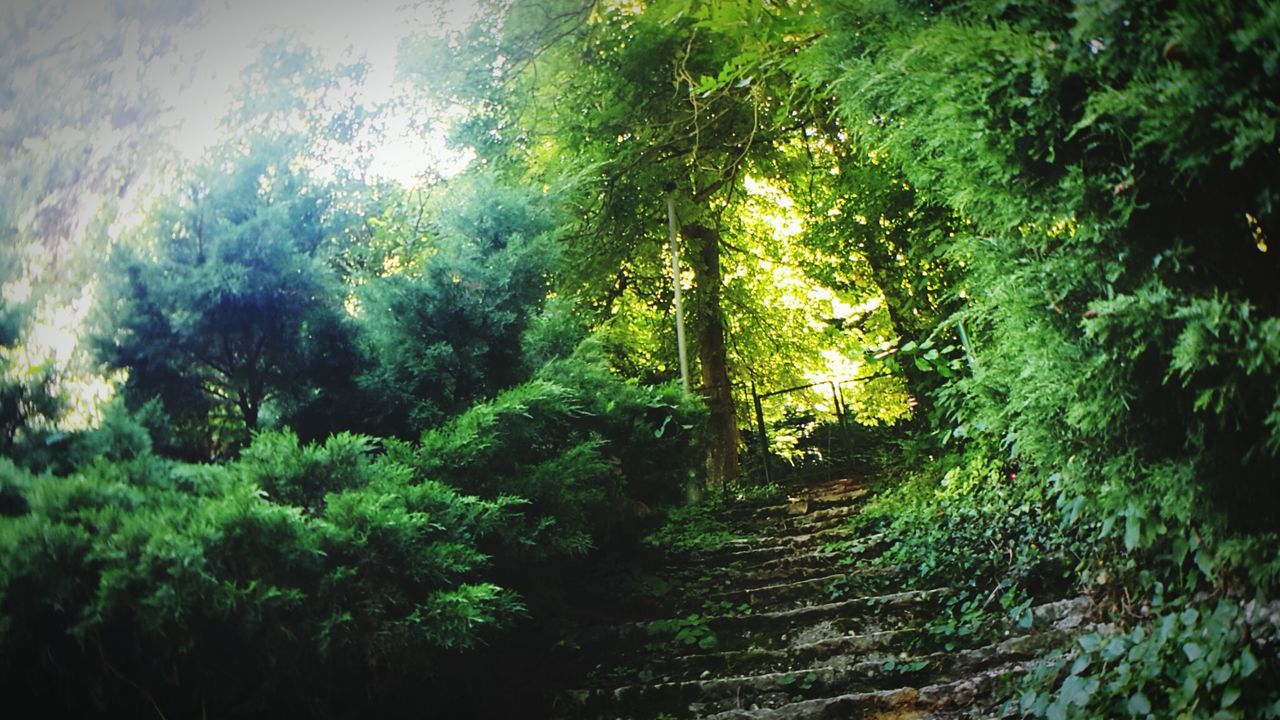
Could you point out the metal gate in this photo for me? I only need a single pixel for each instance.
(812, 435)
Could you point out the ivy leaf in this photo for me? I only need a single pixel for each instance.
(1248, 663)
(1193, 651)
(1113, 650)
(1080, 665)
(1090, 642)
(1139, 704)
(1230, 696)
(1077, 690)
(1026, 619)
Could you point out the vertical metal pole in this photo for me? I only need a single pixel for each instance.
(846, 442)
(764, 438)
(675, 277)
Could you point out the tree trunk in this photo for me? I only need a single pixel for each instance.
(249, 411)
(722, 455)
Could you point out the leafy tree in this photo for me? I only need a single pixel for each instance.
(1093, 279)
(442, 316)
(616, 104)
(223, 312)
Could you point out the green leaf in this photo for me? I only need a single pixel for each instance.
(1132, 531)
(1230, 696)
(1248, 663)
(1081, 664)
(1090, 642)
(1192, 651)
(1077, 690)
(1026, 619)
(663, 428)
(1114, 649)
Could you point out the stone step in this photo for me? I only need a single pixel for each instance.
(632, 642)
(777, 628)
(754, 661)
(799, 516)
(936, 701)
(815, 648)
(837, 516)
(826, 586)
(860, 671)
(795, 538)
(777, 565)
(801, 501)
(901, 605)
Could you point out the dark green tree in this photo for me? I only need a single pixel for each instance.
(441, 321)
(229, 306)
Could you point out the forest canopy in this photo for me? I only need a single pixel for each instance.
(335, 344)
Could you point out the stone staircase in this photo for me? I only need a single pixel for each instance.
(793, 623)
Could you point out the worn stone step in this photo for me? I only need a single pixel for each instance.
(826, 586)
(930, 702)
(776, 565)
(798, 518)
(801, 501)
(815, 648)
(792, 569)
(901, 605)
(777, 628)
(629, 643)
(798, 538)
(753, 661)
(837, 516)
(860, 671)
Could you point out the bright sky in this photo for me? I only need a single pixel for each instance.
(195, 77)
(212, 55)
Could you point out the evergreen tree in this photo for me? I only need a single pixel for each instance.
(221, 314)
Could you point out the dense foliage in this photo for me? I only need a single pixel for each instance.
(231, 303)
(363, 430)
(313, 575)
(1114, 166)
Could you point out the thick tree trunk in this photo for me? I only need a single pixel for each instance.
(722, 455)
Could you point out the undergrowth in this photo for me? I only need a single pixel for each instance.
(704, 527)
(1167, 636)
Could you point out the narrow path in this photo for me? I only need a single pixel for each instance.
(795, 623)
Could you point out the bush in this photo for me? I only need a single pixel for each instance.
(579, 443)
(119, 587)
